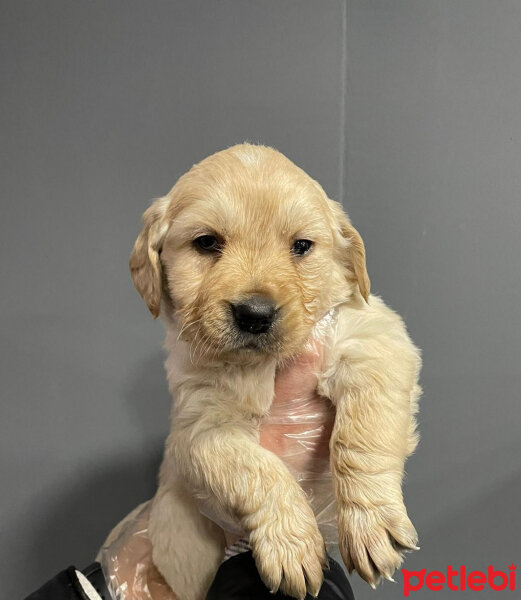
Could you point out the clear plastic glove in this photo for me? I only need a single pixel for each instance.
(126, 560)
(297, 429)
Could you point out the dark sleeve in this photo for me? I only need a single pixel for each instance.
(66, 586)
(237, 579)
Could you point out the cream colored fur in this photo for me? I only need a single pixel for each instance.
(258, 202)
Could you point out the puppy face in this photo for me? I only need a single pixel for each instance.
(246, 253)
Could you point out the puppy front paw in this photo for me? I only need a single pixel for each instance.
(373, 540)
(289, 552)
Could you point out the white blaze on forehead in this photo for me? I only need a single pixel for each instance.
(250, 157)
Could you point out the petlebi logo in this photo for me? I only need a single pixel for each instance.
(459, 579)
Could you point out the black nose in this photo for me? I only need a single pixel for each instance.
(255, 314)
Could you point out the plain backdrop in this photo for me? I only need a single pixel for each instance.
(409, 112)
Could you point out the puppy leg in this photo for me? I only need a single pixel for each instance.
(187, 547)
(221, 457)
(374, 528)
(373, 385)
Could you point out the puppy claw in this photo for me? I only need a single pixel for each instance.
(290, 558)
(368, 540)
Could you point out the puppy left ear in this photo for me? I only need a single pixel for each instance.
(145, 265)
(352, 243)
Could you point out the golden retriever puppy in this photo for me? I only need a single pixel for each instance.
(241, 259)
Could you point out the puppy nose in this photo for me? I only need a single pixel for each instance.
(255, 314)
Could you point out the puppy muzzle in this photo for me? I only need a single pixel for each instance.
(255, 314)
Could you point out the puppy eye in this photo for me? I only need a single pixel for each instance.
(207, 243)
(301, 247)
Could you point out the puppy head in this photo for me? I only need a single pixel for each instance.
(246, 252)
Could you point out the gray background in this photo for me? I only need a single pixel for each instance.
(408, 111)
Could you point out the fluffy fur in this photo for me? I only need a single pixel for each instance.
(257, 203)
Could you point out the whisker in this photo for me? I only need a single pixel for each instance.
(191, 354)
(187, 325)
(200, 343)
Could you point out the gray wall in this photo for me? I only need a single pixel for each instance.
(408, 110)
(434, 183)
(105, 104)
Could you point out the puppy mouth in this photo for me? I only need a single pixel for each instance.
(246, 329)
(252, 346)
(267, 342)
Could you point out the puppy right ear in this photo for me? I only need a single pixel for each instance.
(145, 265)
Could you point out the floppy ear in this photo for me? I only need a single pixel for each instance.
(145, 266)
(354, 246)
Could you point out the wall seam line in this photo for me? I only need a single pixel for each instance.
(342, 184)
